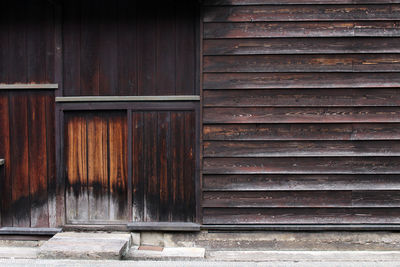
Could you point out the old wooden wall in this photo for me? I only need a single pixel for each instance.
(301, 108)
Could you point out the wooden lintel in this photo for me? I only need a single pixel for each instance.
(127, 98)
(164, 226)
(304, 227)
(28, 86)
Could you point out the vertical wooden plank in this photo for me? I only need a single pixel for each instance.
(17, 37)
(152, 187)
(38, 160)
(127, 48)
(107, 47)
(89, 57)
(51, 25)
(163, 163)
(118, 179)
(5, 182)
(19, 159)
(72, 48)
(189, 167)
(185, 50)
(146, 53)
(98, 185)
(77, 204)
(51, 160)
(4, 43)
(137, 167)
(166, 49)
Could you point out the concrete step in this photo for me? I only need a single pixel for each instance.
(92, 246)
(165, 254)
(304, 256)
(18, 252)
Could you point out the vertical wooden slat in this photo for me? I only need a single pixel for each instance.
(118, 175)
(77, 205)
(177, 143)
(137, 166)
(38, 161)
(189, 166)
(163, 163)
(97, 163)
(5, 182)
(19, 160)
(4, 43)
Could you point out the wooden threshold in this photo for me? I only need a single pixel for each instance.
(127, 98)
(304, 227)
(164, 226)
(2, 162)
(28, 231)
(25, 86)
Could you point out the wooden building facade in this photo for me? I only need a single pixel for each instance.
(220, 113)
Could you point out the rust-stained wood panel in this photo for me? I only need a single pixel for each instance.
(302, 97)
(217, 30)
(299, 80)
(124, 48)
(303, 63)
(303, 13)
(163, 167)
(96, 167)
(304, 45)
(331, 131)
(28, 176)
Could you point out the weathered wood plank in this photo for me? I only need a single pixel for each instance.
(309, 165)
(302, 13)
(214, 30)
(276, 182)
(301, 115)
(303, 63)
(302, 98)
(138, 176)
(292, 46)
(339, 131)
(300, 215)
(164, 163)
(300, 149)
(294, 2)
(299, 80)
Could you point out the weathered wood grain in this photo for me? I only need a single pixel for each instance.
(304, 45)
(302, 98)
(216, 30)
(294, 2)
(300, 149)
(299, 80)
(336, 131)
(138, 175)
(302, 13)
(302, 165)
(303, 63)
(287, 182)
(301, 115)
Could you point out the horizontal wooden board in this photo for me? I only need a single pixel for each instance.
(300, 46)
(301, 97)
(303, 63)
(300, 199)
(294, 2)
(300, 215)
(214, 30)
(299, 80)
(338, 131)
(300, 149)
(312, 165)
(276, 182)
(302, 13)
(301, 115)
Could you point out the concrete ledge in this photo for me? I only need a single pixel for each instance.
(166, 254)
(328, 256)
(164, 226)
(18, 252)
(28, 231)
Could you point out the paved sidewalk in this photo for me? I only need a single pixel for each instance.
(85, 263)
